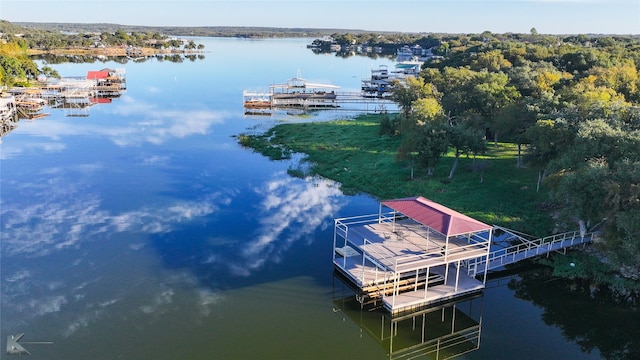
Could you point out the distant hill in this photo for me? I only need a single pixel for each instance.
(222, 31)
(10, 28)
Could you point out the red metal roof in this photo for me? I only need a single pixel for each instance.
(100, 100)
(437, 217)
(102, 74)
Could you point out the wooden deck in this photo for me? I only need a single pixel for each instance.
(405, 264)
(408, 246)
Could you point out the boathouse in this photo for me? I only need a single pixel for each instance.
(412, 254)
(108, 81)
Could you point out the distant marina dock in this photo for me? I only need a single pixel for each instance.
(74, 95)
(299, 93)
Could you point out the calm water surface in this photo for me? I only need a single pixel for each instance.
(144, 231)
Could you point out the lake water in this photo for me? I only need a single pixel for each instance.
(144, 231)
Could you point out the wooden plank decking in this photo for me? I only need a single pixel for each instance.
(404, 247)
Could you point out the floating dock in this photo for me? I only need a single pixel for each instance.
(416, 253)
(74, 95)
(299, 94)
(295, 93)
(381, 82)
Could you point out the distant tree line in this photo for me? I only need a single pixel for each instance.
(570, 103)
(18, 68)
(39, 39)
(207, 31)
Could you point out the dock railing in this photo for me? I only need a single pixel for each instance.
(374, 257)
(530, 248)
(341, 230)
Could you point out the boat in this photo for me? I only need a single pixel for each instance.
(256, 100)
(381, 82)
(298, 92)
(408, 68)
(295, 92)
(404, 53)
(378, 85)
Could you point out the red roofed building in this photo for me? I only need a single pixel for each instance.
(437, 217)
(108, 82)
(98, 74)
(412, 254)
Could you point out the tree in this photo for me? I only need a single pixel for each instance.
(431, 143)
(513, 121)
(455, 85)
(581, 194)
(622, 233)
(492, 61)
(50, 73)
(591, 100)
(581, 59)
(406, 93)
(122, 36)
(427, 109)
(11, 70)
(490, 93)
(424, 145)
(548, 139)
(464, 141)
(624, 78)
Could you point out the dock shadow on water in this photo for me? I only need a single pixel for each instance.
(442, 331)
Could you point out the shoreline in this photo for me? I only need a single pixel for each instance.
(111, 51)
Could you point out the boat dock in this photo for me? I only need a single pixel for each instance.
(415, 253)
(74, 95)
(298, 93)
(381, 82)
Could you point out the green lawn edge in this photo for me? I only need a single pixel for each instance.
(354, 154)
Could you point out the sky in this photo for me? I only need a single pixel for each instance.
(428, 16)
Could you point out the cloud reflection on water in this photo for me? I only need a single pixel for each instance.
(63, 210)
(139, 122)
(65, 215)
(290, 210)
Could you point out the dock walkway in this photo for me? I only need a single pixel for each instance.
(501, 256)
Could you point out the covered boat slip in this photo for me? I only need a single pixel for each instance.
(414, 257)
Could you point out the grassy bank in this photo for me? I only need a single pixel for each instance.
(353, 153)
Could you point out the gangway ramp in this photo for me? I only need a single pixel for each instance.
(501, 256)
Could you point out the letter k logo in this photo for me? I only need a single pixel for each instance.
(13, 347)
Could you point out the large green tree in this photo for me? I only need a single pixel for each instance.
(15, 65)
(464, 140)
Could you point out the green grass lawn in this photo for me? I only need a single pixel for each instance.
(353, 153)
